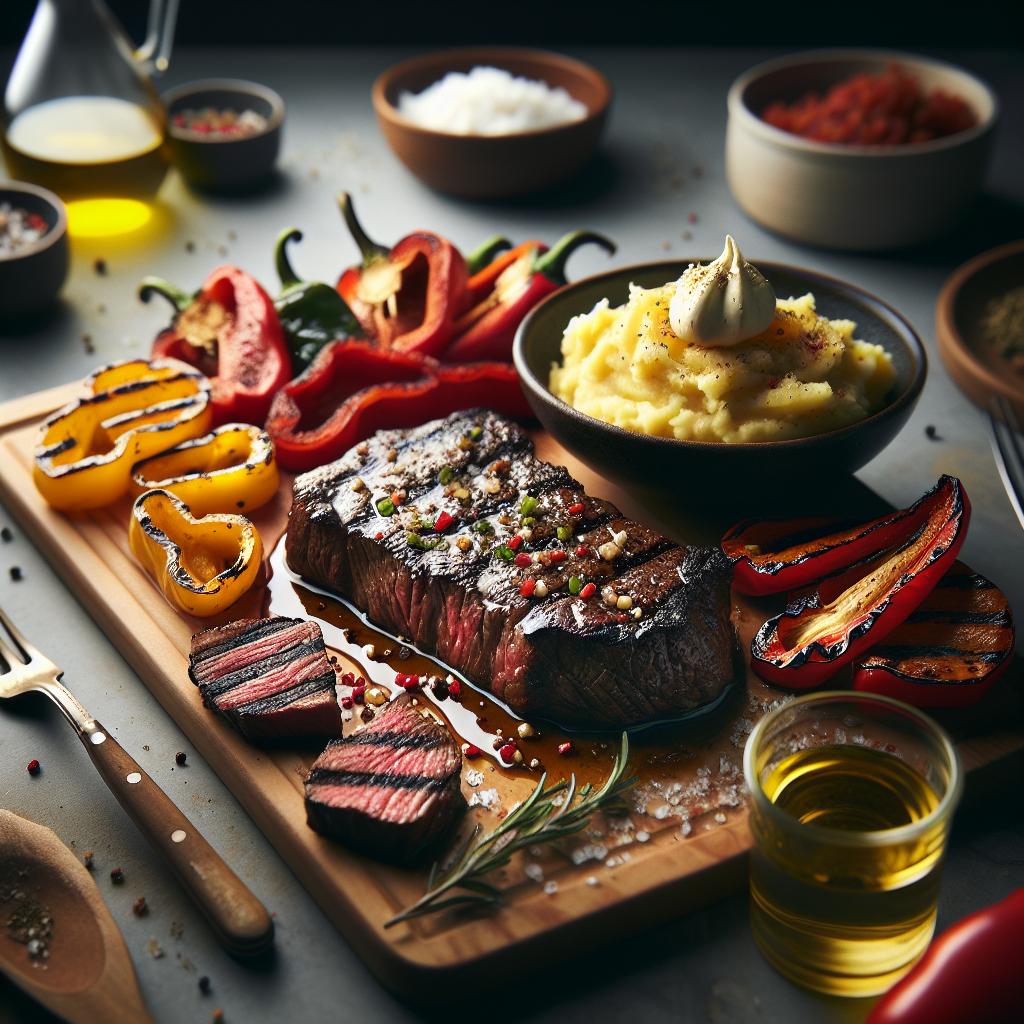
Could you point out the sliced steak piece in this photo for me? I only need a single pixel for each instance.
(654, 641)
(391, 790)
(269, 677)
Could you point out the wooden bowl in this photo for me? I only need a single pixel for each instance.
(958, 314)
(845, 196)
(693, 467)
(493, 166)
(31, 278)
(225, 163)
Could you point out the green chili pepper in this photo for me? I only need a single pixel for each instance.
(564, 532)
(528, 521)
(414, 540)
(575, 584)
(475, 432)
(504, 552)
(386, 507)
(312, 313)
(446, 475)
(527, 505)
(483, 526)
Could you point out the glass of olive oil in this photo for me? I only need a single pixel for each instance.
(852, 797)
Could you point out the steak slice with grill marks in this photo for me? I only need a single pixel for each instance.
(269, 677)
(391, 790)
(554, 654)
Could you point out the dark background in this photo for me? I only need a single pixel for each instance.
(568, 23)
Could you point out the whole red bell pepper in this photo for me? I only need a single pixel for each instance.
(486, 330)
(973, 973)
(230, 331)
(855, 609)
(406, 297)
(353, 389)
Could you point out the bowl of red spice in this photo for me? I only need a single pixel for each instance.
(224, 133)
(858, 149)
(33, 249)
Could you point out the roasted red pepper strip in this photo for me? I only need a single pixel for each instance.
(950, 651)
(972, 972)
(230, 331)
(406, 297)
(486, 330)
(777, 556)
(855, 609)
(353, 389)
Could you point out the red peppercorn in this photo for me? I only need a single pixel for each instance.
(454, 689)
(527, 587)
(565, 749)
(443, 521)
(348, 678)
(34, 767)
(576, 509)
(347, 701)
(588, 591)
(359, 695)
(583, 550)
(471, 751)
(557, 556)
(507, 752)
(515, 542)
(117, 876)
(523, 560)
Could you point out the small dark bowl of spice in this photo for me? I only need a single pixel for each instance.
(224, 133)
(33, 249)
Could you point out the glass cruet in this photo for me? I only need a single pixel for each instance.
(81, 116)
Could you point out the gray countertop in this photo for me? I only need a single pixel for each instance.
(663, 162)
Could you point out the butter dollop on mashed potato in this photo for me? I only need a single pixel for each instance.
(804, 375)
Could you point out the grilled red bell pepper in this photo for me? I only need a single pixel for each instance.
(950, 651)
(486, 330)
(230, 331)
(973, 972)
(353, 389)
(406, 297)
(856, 608)
(487, 263)
(773, 556)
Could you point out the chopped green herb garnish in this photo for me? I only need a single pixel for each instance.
(504, 552)
(483, 526)
(386, 507)
(575, 584)
(564, 532)
(446, 476)
(475, 432)
(527, 505)
(414, 540)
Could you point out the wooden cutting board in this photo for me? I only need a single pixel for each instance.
(664, 866)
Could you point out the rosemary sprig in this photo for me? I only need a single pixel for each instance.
(540, 818)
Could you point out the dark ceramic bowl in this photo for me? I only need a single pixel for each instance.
(31, 278)
(638, 460)
(220, 163)
(493, 166)
(959, 314)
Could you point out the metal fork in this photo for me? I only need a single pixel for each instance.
(1006, 447)
(236, 915)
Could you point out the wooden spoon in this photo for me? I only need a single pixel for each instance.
(88, 975)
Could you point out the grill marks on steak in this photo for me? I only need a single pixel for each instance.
(578, 662)
(391, 790)
(271, 678)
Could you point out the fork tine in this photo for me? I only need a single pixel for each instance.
(1007, 452)
(27, 653)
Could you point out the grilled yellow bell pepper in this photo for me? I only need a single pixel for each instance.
(134, 409)
(202, 565)
(232, 468)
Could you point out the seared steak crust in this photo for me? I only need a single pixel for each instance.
(581, 662)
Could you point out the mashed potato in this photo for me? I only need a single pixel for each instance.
(804, 375)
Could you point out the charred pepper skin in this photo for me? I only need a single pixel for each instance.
(242, 347)
(406, 297)
(800, 648)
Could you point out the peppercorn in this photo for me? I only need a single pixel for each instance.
(140, 908)
(204, 985)
(931, 433)
(87, 856)
(117, 875)
(100, 266)
(180, 757)
(16, 573)
(6, 534)
(565, 749)
(34, 767)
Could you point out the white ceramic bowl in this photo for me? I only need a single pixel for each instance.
(853, 197)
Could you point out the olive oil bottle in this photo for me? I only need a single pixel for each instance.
(843, 887)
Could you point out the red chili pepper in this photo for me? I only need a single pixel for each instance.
(527, 587)
(230, 331)
(775, 556)
(557, 556)
(857, 608)
(588, 591)
(951, 649)
(486, 331)
(406, 297)
(487, 263)
(443, 521)
(353, 389)
(524, 561)
(973, 972)
(515, 542)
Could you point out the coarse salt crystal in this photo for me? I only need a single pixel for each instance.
(550, 888)
(534, 872)
(474, 777)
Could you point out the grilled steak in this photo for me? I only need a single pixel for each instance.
(391, 790)
(499, 591)
(269, 677)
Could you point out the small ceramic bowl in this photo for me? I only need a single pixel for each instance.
(218, 162)
(31, 278)
(853, 197)
(650, 463)
(493, 166)
(962, 304)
